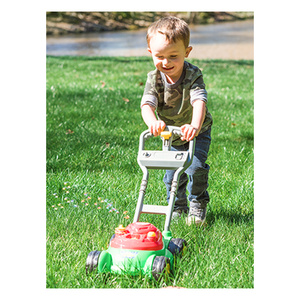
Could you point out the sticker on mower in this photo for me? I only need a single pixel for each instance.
(129, 254)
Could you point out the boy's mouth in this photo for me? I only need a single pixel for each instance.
(168, 69)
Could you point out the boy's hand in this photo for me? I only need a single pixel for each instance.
(188, 132)
(157, 127)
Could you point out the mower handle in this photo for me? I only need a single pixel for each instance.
(166, 160)
(173, 129)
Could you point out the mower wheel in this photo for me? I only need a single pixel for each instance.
(177, 246)
(92, 261)
(161, 264)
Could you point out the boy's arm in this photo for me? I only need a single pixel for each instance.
(189, 131)
(155, 126)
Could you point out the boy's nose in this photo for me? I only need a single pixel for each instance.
(165, 61)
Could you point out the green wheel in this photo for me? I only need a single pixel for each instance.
(92, 261)
(177, 246)
(161, 265)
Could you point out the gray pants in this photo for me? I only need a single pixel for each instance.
(196, 174)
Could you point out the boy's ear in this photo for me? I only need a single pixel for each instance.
(188, 51)
(149, 50)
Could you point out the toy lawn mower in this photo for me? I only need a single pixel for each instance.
(141, 247)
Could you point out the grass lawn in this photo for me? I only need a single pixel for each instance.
(93, 128)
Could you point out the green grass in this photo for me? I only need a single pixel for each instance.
(93, 127)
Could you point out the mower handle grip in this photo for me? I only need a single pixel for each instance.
(147, 134)
(173, 129)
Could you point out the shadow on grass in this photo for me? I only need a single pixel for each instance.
(241, 62)
(103, 58)
(246, 136)
(148, 59)
(230, 217)
(108, 151)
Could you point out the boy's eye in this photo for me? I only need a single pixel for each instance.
(173, 56)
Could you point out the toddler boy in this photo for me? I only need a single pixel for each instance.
(176, 91)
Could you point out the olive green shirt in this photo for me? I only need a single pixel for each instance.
(174, 102)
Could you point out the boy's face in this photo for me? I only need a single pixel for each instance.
(168, 57)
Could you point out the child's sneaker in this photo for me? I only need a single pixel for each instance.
(176, 215)
(197, 213)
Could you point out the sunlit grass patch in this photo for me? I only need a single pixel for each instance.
(93, 179)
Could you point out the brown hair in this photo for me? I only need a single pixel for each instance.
(173, 28)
